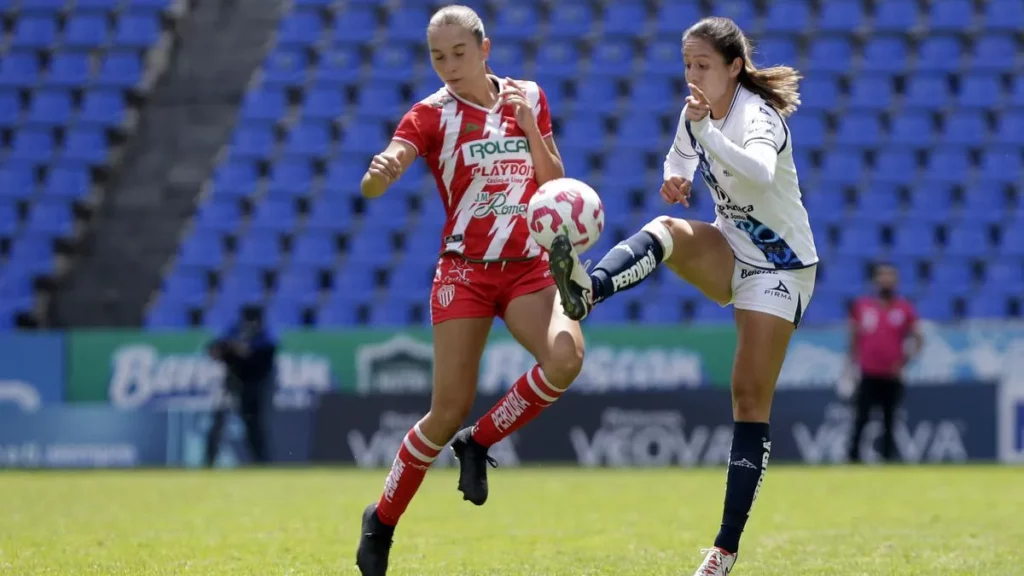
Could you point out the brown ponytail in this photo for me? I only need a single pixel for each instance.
(778, 85)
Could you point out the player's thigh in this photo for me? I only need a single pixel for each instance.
(701, 256)
(458, 346)
(537, 322)
(769, 306)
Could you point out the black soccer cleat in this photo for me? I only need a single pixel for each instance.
(374, 544)
(473, 461)
(574, 285)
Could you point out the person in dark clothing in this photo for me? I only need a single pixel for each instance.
(247, 350)
(885, 335)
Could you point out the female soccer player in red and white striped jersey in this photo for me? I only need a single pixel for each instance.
(489, 143)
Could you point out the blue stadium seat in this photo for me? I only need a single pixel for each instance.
(96, 5)
(840, 16)
(1010, 129)
(1004, 15)
(624, 20)
(939, 54)
(954, 276)
(885, 54)
(70, 70)
(188, 286)
(896, 16)
(316, 248)
(671, 14)
(871, 92)
(663, 58)
(947, 165)
(71, 182)
(859, 238)
(506, 59)
(878, 203)
(379, 101)
(358, 25)
(987, 305)
(137, 30)
(558, 58)
(913, 239)
(950, 15)
(860, 130)
(341, 311)
(829, 54)
(119, 69)
(284, 314)
(965, 128)
(936, 306)
(259, 249)
(927, 92)
(274, 215)
(338, 66)
(932, 202)
(331, 213)
(10, 108)
(991, 53)
(19, 69)
(253, 141)
(17, 181)
(653, 93)
(201, 250)
(35, 145)
(285, 67)
(103, 107)
(1005, 275)
(980, 91)
(88, 145)
(300, 28)
(912, 129)
(775, 50)
(787, 16)
(51, 218)
(612, 58)
(967, 241)
(219, 214)
(266, 104)
(308, 139)
(820, 93)
(515, 23)
(9, 220)
(1000, 166)
(597, 94)
(1012, 241)
(895, 165)
(166, 315)
(392, 63)
(36, 31)
(88, 31)
(50, 108)
(571, 19)
(291, 177)
(406, 25)
(742, 12)
(45, 7)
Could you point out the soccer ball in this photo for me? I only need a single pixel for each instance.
(566, 206)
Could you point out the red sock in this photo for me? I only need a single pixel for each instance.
(527, 398)
(414, 457)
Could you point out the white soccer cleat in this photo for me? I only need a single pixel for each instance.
(717, 562)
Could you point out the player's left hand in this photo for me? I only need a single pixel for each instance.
(697, 104)
(513, 95)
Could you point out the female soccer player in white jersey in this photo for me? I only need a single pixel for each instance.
(489, 144)
(758, 255)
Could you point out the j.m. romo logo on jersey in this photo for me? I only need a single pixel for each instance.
(496, 150)
(779, 291)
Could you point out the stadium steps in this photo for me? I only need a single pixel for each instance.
(191, 114)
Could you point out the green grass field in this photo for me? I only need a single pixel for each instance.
(824, 521)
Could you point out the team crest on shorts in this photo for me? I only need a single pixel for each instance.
(445, 295)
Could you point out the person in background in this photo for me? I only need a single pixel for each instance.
(884, 337)
(247, 350)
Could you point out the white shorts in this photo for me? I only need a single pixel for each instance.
(782, 293)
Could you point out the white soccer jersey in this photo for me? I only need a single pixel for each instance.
(746, 158)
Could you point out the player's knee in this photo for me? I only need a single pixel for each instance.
(751, 400)
(564, 362)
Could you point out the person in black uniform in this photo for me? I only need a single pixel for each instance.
(247, 350)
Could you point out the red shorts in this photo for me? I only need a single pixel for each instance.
(465, 289)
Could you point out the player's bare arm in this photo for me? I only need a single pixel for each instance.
(547, 162)
(386, 168)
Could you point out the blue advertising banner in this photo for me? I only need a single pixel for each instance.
(31, 370)
(683, 428)
(1011, 421)
(83, 436)
(972, 352)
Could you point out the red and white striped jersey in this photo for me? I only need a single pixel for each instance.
(483, 168)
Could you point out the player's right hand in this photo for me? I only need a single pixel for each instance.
(676, 190)
(386, 168)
